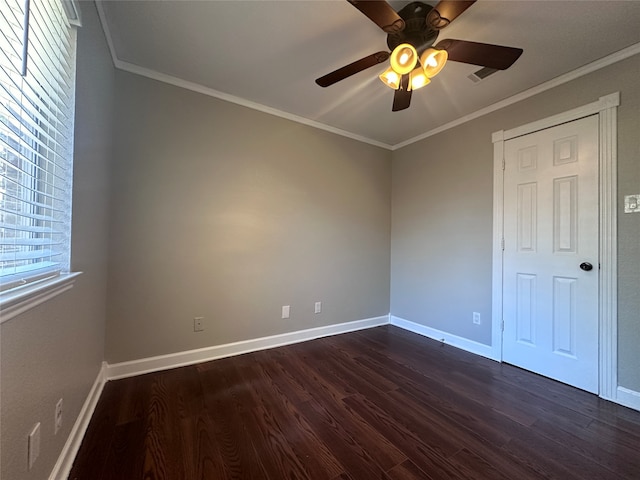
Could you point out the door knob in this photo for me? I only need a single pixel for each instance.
(586, 266)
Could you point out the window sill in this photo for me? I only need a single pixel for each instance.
(17, 301)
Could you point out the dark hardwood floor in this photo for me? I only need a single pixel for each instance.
(377, 404)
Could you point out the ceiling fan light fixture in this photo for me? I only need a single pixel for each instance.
(403, 59)
(433, 61)
(418, 79)
(390, 78)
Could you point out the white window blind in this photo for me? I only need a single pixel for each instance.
(37, 91)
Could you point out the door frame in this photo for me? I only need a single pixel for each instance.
(606, 108)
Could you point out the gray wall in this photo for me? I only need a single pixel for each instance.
(227, 213)
(442, 214)
(56, 349)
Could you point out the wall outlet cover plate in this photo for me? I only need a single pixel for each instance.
(33, 447)
(632, 203)
(58, 417)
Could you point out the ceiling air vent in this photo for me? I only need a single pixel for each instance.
(481, 74)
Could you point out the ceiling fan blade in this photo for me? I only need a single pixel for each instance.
(482, 54)
(380, 13)
(352, 68)
(402, 96)
(446, 12)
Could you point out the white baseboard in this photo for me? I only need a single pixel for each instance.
(180, 359)
(448, 338)
(628, 398)
(625, 396)
(65, 461)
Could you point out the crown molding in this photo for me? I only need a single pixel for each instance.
(195, 87)
(107, 33)
(543, 87)
(178, 82)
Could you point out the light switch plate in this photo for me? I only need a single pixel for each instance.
(632, 203)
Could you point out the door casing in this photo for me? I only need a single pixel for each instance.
(606, 109)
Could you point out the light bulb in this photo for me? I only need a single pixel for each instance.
(390, 78)
(433, 61)
(418, 79)
(403, 59)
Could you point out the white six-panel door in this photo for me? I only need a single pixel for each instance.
(550, 303)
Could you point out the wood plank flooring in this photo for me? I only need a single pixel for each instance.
(381, 403)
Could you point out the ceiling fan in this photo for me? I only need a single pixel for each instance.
(411, 35)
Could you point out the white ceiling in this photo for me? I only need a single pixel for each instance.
(268, 53)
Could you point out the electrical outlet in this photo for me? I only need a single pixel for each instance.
(318, 307)
(632, 204)
(57, 419)
(285, 311)
(198, 324)
(476, 318)
(33, 446)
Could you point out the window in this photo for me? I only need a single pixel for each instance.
(37, 91)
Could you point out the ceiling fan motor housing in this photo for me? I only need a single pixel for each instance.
(416, 32)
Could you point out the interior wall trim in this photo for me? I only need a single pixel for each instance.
(63, 465)
(164, 362)
(62, 468)
(543, 87)
(567, 77)
(196, 87)
(606, 109)
(20, 300)
(628, 398)
(444, 337)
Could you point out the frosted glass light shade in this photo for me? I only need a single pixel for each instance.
(403, 59)
(418, 79)
(433, 61)
(390, 78)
